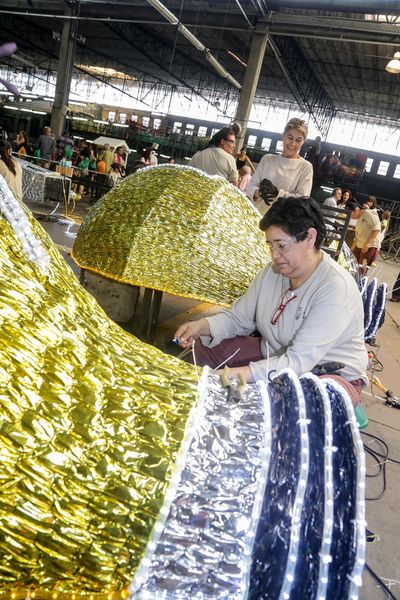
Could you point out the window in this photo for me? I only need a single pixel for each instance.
(156, 123)
(279, 146)
(266, 144)
(383, 167)
(177, 127)
(111, 116)
(368, 165)
(251, 142)
(145, 121)
(189, 126)
(214, 131)
(134, 117)
(122, 118)
(202, 131)
(396, 173)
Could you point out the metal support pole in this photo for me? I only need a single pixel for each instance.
(247, 93)
(64, 75)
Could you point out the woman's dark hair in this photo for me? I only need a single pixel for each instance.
(222, 134)
(296, 215)
(344, 190)
(5, 156)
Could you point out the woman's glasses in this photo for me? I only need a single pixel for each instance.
(287, 297)
(283, 246)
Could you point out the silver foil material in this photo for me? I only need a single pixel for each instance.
(204, 547)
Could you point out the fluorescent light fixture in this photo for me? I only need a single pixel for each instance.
(163, 10)
(77, 102)
(28, 95)
(77, 118)
(220, 69)
(393, 65)
(39, 112)
(191, 38)
(26, 110)
(48, 98)
(11, 107)
(100, 122)
(120, 125)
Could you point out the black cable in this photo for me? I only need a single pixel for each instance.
(379, 580)
(379, 463)
(375, 437)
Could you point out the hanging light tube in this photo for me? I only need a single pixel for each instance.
(163, 10)
(171, 18)
(191, 38)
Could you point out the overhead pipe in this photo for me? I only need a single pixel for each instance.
(171, 18)
(390, 7)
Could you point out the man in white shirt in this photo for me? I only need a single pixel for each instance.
(334, 199)
(217, 158)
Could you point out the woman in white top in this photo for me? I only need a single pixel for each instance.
(10, 169)
(283, 175)
(306, 307)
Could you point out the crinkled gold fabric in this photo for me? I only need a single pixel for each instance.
(91, 420)
(175, 229)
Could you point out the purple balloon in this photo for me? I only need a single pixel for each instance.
(11, 88)
(7, 49)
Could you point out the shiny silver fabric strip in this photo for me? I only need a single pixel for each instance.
(18, 220)
(205, 544)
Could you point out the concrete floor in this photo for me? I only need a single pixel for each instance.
(384, 421)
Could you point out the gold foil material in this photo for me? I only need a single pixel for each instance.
(177, 230)
(91, 420)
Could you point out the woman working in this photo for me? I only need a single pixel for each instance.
(10, 169)
(283, 175)
(306, 307)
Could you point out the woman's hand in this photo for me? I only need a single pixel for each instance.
(235, 371)
(187, 332)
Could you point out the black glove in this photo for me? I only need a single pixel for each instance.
(267, 191)
(328, 368)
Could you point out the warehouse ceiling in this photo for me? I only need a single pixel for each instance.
(325, 61)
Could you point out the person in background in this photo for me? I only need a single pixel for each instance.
(292, 303)
(244, 177)
(46, 144)
(21, 143)
(385, 223)
(367, 234)
(10, 169)
(313, 153)
(346, 197)
(119, 159)
(217, 158)
(243, 160)
(396, 291)
(171, 160)
(115, 176)
(283, 175)
(149, 158)
(334, 199)
(107, 156)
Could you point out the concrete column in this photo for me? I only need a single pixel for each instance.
(254, 64)
(64, 75)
